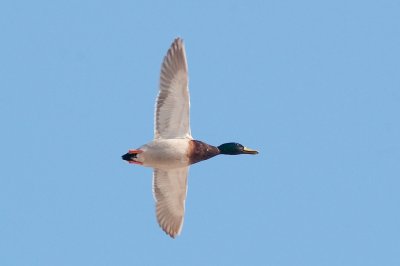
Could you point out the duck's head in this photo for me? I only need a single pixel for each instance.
(233, 148)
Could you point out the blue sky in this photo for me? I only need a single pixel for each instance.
(313, 85)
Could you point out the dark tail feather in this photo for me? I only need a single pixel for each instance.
(128, 157)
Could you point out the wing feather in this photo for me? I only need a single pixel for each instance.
(169, 190)
(173, 103)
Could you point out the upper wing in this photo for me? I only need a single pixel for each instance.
(172, 105)
(169, 190)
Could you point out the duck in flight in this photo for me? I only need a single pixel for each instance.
(173, 148)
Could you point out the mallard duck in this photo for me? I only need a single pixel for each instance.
(173, 148)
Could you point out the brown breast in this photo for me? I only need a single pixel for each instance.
(200, 151)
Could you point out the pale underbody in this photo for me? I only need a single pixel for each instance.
(164, 153)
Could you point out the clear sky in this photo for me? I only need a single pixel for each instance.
(313, 85)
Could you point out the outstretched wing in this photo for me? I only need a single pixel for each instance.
(173, 103)
(169, 190)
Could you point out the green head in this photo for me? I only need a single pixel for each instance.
(233, 148)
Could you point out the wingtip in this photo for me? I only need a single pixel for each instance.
(173, 233)
(173, 236)
(178, 39)
(170, 229)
